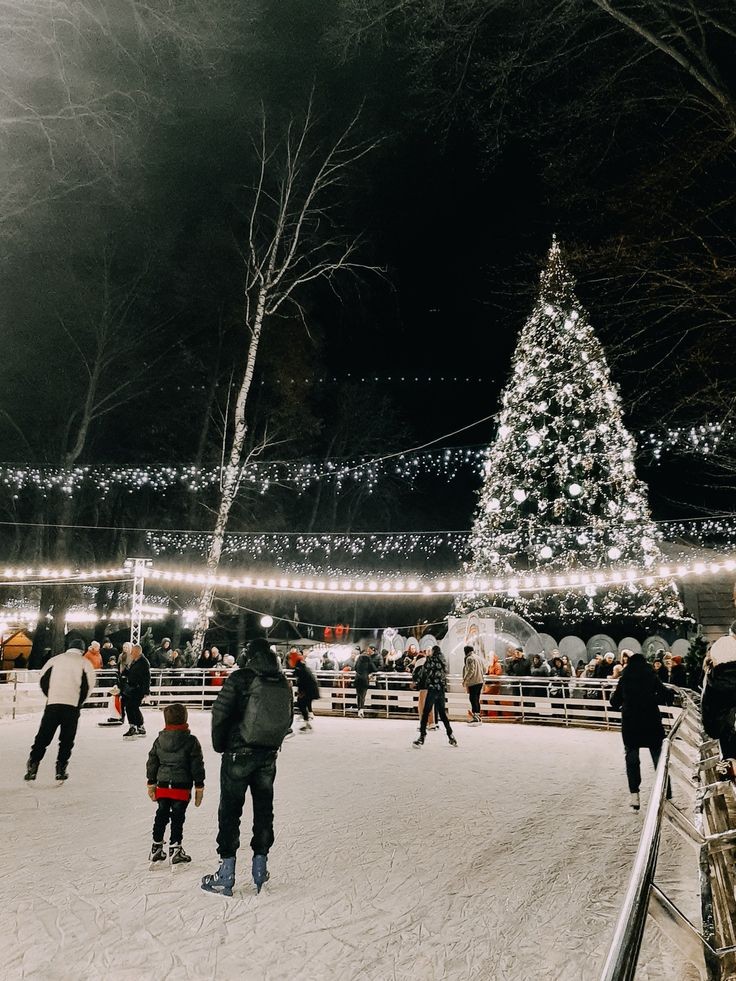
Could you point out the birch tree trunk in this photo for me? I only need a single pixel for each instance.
(290, 242)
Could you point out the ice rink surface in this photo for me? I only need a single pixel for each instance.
(505, 858)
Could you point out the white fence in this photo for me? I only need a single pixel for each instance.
(562, 701)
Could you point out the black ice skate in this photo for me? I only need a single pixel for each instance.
(61, 773)
(133, 731)
(726, 769)
(31, 771)
(418, 742)
(453, 741)
(177, 855)
(157, 853)
(140, 731)
(260, 872)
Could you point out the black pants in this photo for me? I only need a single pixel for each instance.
(238, 772)
(474, 696)
(361, 687)
(176, 811)
(65, 718)
(435, 700)
(133, 708)
(633, 767)
(304, 705)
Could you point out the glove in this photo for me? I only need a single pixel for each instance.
(198, 795)
(152, 791)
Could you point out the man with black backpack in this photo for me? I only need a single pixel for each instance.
(250, 718)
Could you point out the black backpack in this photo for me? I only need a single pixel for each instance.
(269, 711)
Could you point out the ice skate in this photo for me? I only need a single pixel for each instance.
(133, 731)
(61, 773)
(361, 714)
(418, 742)
(140, 731)
(157, 853)
(31, 771)
(475, 721)
(222, 881)
(634, 802)
(260, 872)
(307, 727)
(177, 855)
(452, 740)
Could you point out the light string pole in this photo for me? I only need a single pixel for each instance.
(139, 567)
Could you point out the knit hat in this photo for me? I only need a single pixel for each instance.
(77, 645)
(175, 714)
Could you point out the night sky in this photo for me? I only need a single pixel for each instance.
(496, 125)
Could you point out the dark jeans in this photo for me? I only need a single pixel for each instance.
(65, 718)
(474, 696)
(361, 687)
(435, 700)
(133, 708)
(633, 767)
(304, 705)
(176, 810)
(238, 772)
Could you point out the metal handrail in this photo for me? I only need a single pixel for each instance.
(623, 953)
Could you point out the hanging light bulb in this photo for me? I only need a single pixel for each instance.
(545, 552)
(533, 439)
(494, 504)
(614, 553)
(575, 490)
(519, 495)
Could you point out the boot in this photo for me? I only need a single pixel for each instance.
(418, 742)
(157, 852)
(634, 801)
(453, 741)
(133, 731)
(61, 773)
(31, 770)
(260, 872)
(140, 731)
(223, 880)
(177, 855)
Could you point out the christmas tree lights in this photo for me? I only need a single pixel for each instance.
(560, 487)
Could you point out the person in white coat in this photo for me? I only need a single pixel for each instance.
(66, 681)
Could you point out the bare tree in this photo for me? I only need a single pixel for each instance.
(289, 242)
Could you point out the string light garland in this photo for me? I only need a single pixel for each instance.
(450, 584)
(443, 463)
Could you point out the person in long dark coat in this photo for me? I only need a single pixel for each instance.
(638, 696)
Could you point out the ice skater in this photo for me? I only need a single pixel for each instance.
(638, 696)
(364, 668)
(66, 681)
(135, 684)
(175, 762)
(719, 699)
(250, 719)
(434, 676)
(473, 682)
(307, 691)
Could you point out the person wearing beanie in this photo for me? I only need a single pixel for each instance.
(65, 680)
(718, 704)
(175, 762)
(250, 719)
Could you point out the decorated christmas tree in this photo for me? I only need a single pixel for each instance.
(560, 492)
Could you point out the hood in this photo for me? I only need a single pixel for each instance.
(262, 661)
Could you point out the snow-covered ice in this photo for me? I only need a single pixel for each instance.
(506, 858)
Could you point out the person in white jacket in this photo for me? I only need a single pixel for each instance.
(65, 680)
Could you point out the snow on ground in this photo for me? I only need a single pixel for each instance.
(506, 858)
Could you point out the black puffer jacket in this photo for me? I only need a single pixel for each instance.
(719, 698)
(136, 678)
(176, 758)
(306, 683)
(228, 709)
(638, 696)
